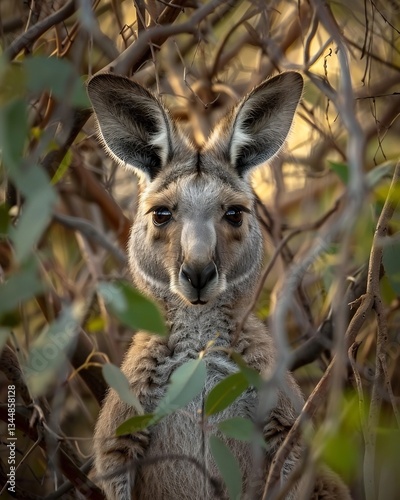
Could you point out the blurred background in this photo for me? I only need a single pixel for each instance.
(327, 204)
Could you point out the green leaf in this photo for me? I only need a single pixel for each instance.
(57, 76)
(40, 197)
(253, 377)
(35, 218)
(48, 357)
(225, 392)
(31, 180)
(373, 177)
(242, 429)
(134, 424)
(238, 428)
(21, 286)
(186, 383)
(132, 308)
(391, 263)
(341, 170)
(117, 380)
(13, 132)
(228, 467)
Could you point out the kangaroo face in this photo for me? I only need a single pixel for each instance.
(202, 235)
(195, 239)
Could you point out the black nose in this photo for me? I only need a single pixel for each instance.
(199, 278)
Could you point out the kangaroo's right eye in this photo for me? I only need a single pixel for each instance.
(161, 216)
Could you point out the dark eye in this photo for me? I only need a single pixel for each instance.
(161, 216)
(234, 215)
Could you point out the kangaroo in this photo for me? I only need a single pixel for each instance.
(196, 248)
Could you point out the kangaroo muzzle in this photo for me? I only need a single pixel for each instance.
(199, 277)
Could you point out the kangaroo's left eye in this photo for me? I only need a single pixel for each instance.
(234, 215)
(161, 216)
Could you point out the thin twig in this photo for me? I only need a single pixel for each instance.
(352, 352)
(39, 29)
(373, 291)
(389, 389)
(92, 233)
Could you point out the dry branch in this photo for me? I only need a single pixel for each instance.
(135, 55)
(373, 295)
(322, 340)
(36, 31)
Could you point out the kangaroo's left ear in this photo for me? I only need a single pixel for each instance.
(258, 126)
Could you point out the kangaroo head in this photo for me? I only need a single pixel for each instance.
(195, 237)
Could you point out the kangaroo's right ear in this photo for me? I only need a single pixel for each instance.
(134, 126)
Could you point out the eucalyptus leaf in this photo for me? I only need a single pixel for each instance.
(186, 383)
(21, 286)
(48, 356)
(135, 424)
(35, 218)
(228, 467)
(373, 177)
(117, 380)
(13, 132)
(253, 377)
(341, 170)
(238, 428)
(225, 393)
(242, 429)
(131, 307)
(57, 76)
(31, 180)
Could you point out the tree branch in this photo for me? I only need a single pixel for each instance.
(39, 29)
(135, 55)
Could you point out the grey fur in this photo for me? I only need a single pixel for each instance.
(198, 187)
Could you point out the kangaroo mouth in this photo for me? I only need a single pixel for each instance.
(198, 302)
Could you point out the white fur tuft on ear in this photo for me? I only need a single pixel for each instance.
(239, 140)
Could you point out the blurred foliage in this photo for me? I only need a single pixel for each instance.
(66, 308)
